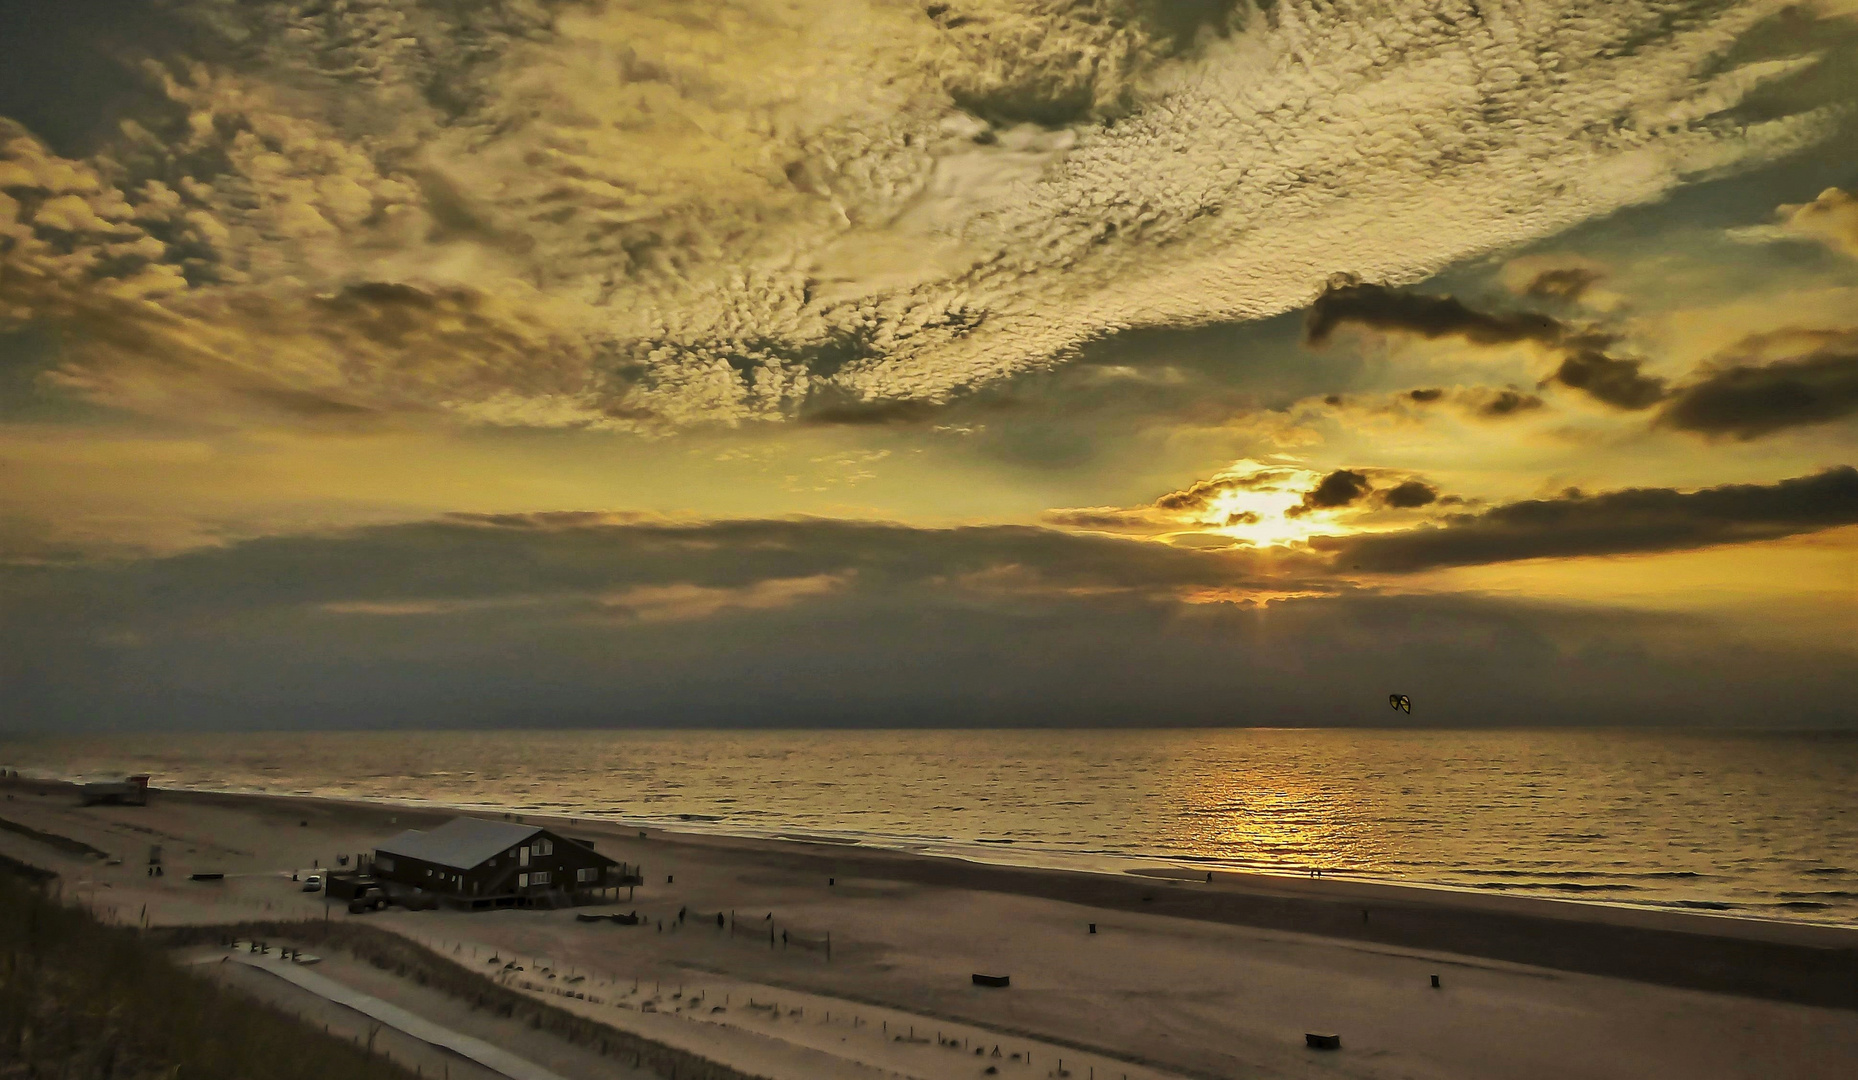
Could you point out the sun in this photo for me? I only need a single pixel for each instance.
(1260, 505)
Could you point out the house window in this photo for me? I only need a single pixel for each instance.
(522, 855)
(540, 877)
(522, 881)
(589, 874)
(383, 863)
(544, 846)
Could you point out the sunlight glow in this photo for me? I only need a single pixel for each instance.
(1256, 505)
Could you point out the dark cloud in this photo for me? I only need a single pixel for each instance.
(576, 620)
(1747, 401)
(1498, 404)
(1111, 518)
(871, 413)
(1348, 300)
(1585, 366)
(1612, 380)
(1340, 488)
(1619, 522)
(1200, 494)
(1562, 283)
(1425, 396)
(1407, 495)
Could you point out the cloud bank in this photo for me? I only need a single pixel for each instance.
(561, 620)
(1617, 522)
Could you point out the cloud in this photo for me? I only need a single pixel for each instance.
(574, 620)
(1563, 283)
(710, 218)
(1255, 507)
(1348, 300)
(1407, 495)
(1483, 402)
(1619, 522)
(1585, 364)
(1343, 487)
(1615, 381)
(1745, 400)
(1561, 277)
(1831, 219)
(1501, 403)
(870, 414)
(1142, 520)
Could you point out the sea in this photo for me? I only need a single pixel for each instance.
(1752, 825)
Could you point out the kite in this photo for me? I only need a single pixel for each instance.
(1400, 702)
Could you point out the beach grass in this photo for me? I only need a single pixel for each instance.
(82, 1000)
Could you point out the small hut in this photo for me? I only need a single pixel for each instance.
(129, 791)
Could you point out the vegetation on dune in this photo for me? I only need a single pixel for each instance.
(80, 1000)
(412, 961)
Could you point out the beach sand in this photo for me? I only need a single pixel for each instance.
(1183, 978)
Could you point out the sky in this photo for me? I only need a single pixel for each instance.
(786, 363)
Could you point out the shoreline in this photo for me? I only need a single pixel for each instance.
(982, 853)
(1803, 963)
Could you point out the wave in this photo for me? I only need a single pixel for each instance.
(1557, 886)
(1648, 875)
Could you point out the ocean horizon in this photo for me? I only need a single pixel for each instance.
(1752, 824)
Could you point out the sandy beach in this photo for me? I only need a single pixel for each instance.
(1183, 978)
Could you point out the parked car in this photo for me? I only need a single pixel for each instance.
(368, 899)
(313, 883)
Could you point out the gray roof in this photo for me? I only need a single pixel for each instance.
(460, 843)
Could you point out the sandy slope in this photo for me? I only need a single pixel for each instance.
(1154, 993)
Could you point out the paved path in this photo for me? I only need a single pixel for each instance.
(492, 1058)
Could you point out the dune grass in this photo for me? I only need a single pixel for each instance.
(80, 1000)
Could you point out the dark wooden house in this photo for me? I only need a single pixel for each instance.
(477, 863)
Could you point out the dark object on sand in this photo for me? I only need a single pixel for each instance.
(1323, 1040)
(1093, 928)
(581, 916)
(368, 899)
(207, 876)
(1401, 703)
(130, 791)
(1435, 982)
(992, 980)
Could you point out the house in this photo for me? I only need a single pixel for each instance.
(132, 791)
(477, 863)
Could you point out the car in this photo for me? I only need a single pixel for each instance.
(313, 883)
(369, 899)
